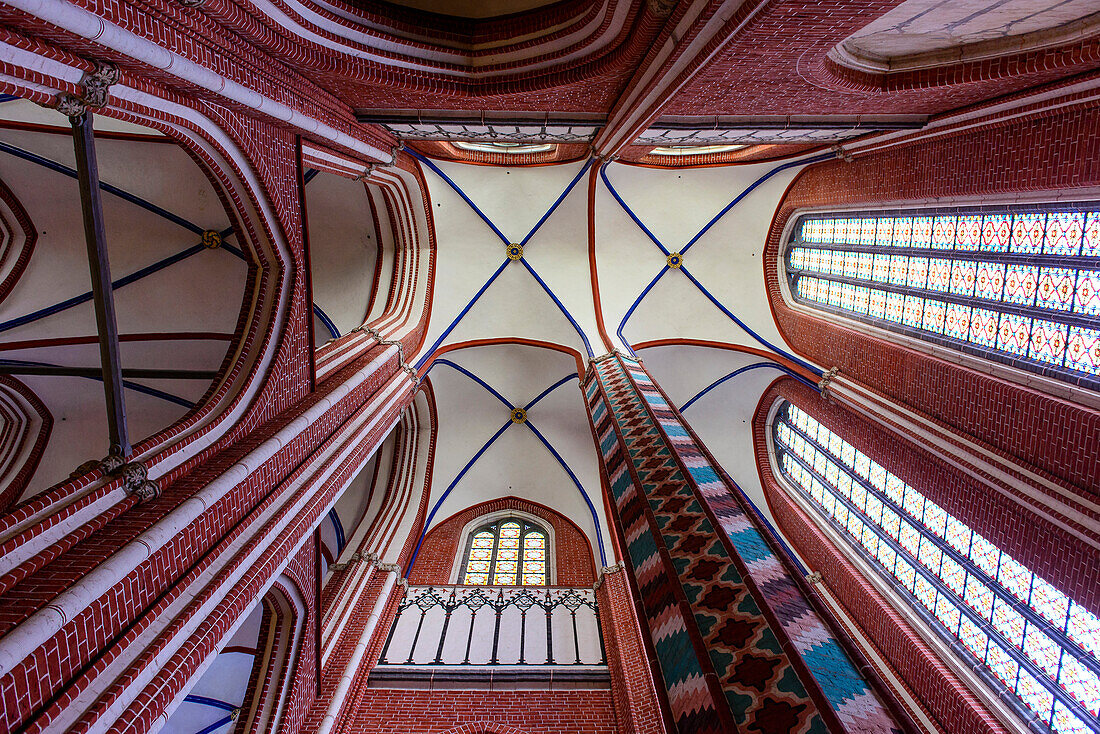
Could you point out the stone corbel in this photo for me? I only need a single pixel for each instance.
(843, 154)
(826, 380)
(95, 90)
(607, 571)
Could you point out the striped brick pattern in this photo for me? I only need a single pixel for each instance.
(855, 702)
(722, 664)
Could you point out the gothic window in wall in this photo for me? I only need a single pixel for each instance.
(506, 552)
(1029, 638)
(1017, 285)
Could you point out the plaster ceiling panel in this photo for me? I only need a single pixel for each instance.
(343, 249)
(514, 199)
(675, 205)
(80, 424)
(515, 306)
(468, 252)
(517, 463)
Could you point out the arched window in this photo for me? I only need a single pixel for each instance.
(507, 552)
(1031, 639)
(1019, 286)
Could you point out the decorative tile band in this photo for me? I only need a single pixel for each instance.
(855, 703)
(721, 661)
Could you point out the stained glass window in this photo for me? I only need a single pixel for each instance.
(508, 552)
(1041, 645)
(1018, 285)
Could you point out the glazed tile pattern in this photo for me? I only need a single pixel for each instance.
(856, 704)
(759, 683)
(692, 593)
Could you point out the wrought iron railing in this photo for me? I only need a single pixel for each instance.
(496, 625)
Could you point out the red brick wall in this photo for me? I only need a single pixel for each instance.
(478, 712)
(572, 552)
(1055, 153)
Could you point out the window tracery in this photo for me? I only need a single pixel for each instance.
(506, 552)
(1038, 644)
(1019, 286)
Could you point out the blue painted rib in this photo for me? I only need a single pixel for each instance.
(735, 373)
(85, 297)
(470, 463)
(109, 188)
(576, 482)
(8, 98)
(215, 726)
(447, 332)
(455, 481)
(326, 321)
(630, 311)
(557, 202)
(628, 210)
(767, 175)
(560, 305)
(136, 387)
(550, 389)
(207, 701)
(311, 173)
(505, 401)
(339, 528)
(797, 360)
(751, 187)
(461, 193)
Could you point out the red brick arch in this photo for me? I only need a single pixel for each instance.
(572, 551)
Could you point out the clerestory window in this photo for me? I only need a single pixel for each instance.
(1017, 285)
(1030, 638)
(506, 552)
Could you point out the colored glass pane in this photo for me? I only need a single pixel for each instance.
(996, 232)
(1055, 289)
(1081, 683)
(914, 308)
(1014, 334)
(884, 235)
(983, 327)
(1015, 577)
(934, 313)
(918, 272)
(899, 269)
(1002, 665)
(968, 235)
(922, 231)
(903, 231)
(1037, 696)
(943, 232)
(1087, 299)
(939, 275)
(1090, 244)
(1009, 623)
(895, 303)
(867, 231)
(963, 275)
(990, 281)
(948, 614)
(957, 321)
(1064, 230)
(1020, 284)
(1027, 232)
(1084, 629)
(1048, 341)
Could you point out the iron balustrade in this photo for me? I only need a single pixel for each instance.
(496, 625)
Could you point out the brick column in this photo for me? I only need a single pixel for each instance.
(738, 645)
